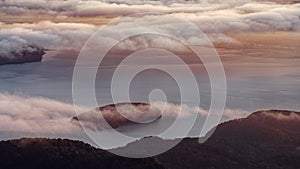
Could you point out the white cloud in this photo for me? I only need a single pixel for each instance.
(215, 19)
(40, 116)
(11, 47)
(50, 35)
(83, 8)
(282, 116)
(35, 115)
(210, 19)
(57, 36)
(110, 8)
(168, 111)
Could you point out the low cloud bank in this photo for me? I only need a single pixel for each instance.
(17, 50)
(36, 115)
(110, 8)
(48, 34)
(117, 115)
(213, 18)
(140, 112)
(40, 116)
(15, 39)
(282, 116)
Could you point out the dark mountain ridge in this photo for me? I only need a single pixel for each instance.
(265, 139)
(42, 153)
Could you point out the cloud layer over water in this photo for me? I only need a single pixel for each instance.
(38, 116)
(215, 18)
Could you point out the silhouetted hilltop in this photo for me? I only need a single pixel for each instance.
(265, 139)
(42, 153)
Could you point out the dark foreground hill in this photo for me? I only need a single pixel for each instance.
(265, 139)
(64, 154)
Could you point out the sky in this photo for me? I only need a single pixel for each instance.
(257, 42)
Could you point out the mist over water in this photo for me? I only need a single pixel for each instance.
(258, 78)
(261, 74)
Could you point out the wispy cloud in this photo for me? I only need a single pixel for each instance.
(40, 116)
(282, 116)
(35, 115)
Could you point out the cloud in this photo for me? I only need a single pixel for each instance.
(18, 38)
(40, 116)
(40, 6)
(35, 115)
(72, 36)
(13, 47)
(282, 116)
(117, 116)
(109, 8)
(49, 35)
(214, 18)
(251, 17)
(144, 113)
